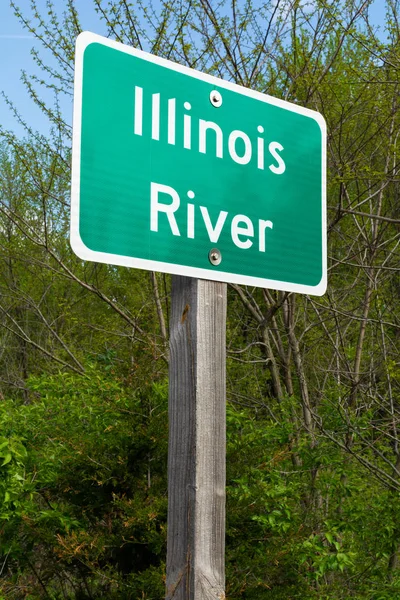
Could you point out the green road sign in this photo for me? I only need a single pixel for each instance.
(177, 171)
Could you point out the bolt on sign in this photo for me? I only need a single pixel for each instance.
(177, 171)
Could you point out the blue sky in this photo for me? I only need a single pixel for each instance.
(15, 47)
(15, 51)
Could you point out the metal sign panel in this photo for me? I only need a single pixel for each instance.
(177, 171)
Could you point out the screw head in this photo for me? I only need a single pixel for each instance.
(215, 98)
(214, 256)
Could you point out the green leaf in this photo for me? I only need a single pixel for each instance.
(7, 459)
(329, 537)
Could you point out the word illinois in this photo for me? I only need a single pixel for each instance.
(240, 146)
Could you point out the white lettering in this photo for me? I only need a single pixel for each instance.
(239, 145)
(171, 120)
(213, 232)
(233, 137)
(273, 147)
(242, 227)
(187, 128)
(156, 207)
(203, 127)
(247, 230)
(190, 216)
(190, 221)
(260, 149)
(138, 127)
(262, 226)
(155, 117)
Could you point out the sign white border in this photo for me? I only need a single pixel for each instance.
(85, 39)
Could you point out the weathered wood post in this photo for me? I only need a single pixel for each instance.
(196, 454)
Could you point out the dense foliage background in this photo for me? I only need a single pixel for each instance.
(313, 465)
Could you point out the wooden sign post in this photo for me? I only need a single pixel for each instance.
(197, 448)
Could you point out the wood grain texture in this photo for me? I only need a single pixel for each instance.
(197, 447)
